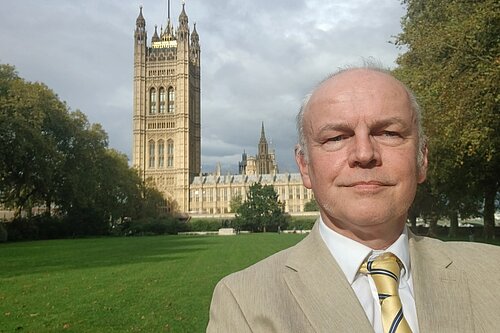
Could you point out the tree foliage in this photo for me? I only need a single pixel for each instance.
(235, 203)
(452, 62)
(261, 211)
(53, 158)
(311, 206)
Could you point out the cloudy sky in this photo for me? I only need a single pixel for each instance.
(259, 58)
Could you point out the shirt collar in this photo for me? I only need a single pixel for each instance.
(350, 254)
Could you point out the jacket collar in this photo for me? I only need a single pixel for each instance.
(321, 289)
(441, 289)
(323, 293)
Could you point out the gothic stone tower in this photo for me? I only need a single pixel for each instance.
(166, 117)
(263, 163)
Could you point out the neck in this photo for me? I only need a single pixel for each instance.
(376, 237)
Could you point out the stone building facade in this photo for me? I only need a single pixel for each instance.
(212, 194)
(166, 117)
(167, 134)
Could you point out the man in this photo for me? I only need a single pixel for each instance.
(362, 152)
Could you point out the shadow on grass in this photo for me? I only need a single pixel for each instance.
(58, 255)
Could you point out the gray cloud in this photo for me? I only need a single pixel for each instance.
(259, 58)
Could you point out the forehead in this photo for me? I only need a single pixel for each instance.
(365, 93)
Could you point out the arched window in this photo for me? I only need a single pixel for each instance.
(170, 153)
(161, 154)
(151, 154)
(162, 100)
(171, 100)
(152, 101)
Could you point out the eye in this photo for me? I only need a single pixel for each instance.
(391, 138)
(335, 142)
(336, 138)
(391, 134)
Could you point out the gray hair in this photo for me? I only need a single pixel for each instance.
(371, 65)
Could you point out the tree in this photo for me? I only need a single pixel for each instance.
(235, 202)
(30, 117)
(261, 211)
(452, 63)
(54, 158)
(311, 206)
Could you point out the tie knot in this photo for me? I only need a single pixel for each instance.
(386, 263)
(384, 270)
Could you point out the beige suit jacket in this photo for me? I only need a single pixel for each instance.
(302, 289)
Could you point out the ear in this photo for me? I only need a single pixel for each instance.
(422, 170)
(303, 165)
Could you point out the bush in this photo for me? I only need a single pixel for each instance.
(37, 227)
(301, 224)
(207, 224)
(3, 233)
(22, 229)
(152, 226)
(87, 222)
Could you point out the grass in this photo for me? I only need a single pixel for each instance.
(143, 284)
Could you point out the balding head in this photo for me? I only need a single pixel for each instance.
(362, 153)
(301, 147)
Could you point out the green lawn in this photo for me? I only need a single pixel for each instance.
(143, 284)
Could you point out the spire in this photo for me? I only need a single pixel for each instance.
(140, 22)
(194, 35)
(140, 30)
(263, 147)
(195, 47)
(262, 133)
(155, 35)
(183, 30)
(183, 16)
(195, 39)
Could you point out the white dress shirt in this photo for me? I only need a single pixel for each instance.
(350, 255)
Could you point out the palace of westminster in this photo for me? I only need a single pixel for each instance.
(167, 135)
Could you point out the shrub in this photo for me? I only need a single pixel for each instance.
(153, 226)
(3, 233)
(206, 224)
(37, 227)
(21, 229)
(301, 224)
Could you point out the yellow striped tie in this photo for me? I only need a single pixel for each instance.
(385, 270)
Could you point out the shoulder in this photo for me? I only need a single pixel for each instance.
(270, 271)
(261, 273)
(461, 253)
(473, 248)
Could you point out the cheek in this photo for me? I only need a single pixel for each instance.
(324, 170)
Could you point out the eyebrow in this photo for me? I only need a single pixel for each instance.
(340, 126)
(344, 126)
(390, 121)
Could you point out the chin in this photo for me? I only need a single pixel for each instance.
(358, 217)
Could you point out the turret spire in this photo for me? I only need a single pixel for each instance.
(140, 22)
(183, 30)
(168, 11)
(155, 35)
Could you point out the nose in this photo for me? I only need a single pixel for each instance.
(364, 153)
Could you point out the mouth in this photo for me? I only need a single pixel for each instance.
(373, 183)
(368, 186)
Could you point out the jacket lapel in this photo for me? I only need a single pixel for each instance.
(441, 289)
(321, 290)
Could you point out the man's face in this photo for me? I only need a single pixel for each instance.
(362, 143)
